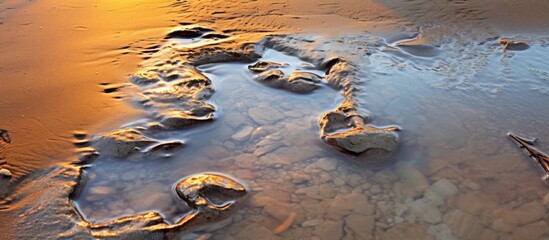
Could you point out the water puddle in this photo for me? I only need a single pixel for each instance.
(251, 121)
(456, 174)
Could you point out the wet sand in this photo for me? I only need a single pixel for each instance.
(67, 61)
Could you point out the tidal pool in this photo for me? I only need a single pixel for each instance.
(456, 174)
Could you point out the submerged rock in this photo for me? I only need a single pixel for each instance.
(463, 225)
(361, 139)
(345, 129)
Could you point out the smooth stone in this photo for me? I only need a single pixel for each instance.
(359, 140)
(5, 172)
(275, 208)
(329, 230)
(299, 178)
(255, 231)
(351, 203)
(439, 191)
(361, 226)
(426, 210)
(312, 208)
(375, 189)
(327, 191)
(489, 234)
(234, 120)
(406, 231)
(476, 203)
(464, 225)
(311, 192)
(267, 145)
(265, 114)
(326, 164)
(243, 133)
(546, 200)
(217, 152)
(412, 183)
(102, 190)
(293, 114)
(444, 188)
(245, 160)
(440, 232)
(311, 222)
(501, 225)
(527, 213)
(144, 199)
(286, 156)
(532, 231)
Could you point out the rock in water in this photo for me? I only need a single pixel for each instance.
(345, 129)
(359, 140)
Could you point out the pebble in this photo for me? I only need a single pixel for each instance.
(329, 230)
(5, 172)
(405, 231)
(531, 231)
(444, 188)
(501, 225)
(441, 232)
(298, 178)
(361, 226)
(464, 225)
(245, 160)
(102, 190)
(265, 114)
(266, 146)
(412, 183)
(351, 203)
(476, 202)
(326, 164)
(234, 120)
(376, 189)
(546, 200)
(527, 213)
(426, 210)
(243, 134)
(311, 222)
(255, 231)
